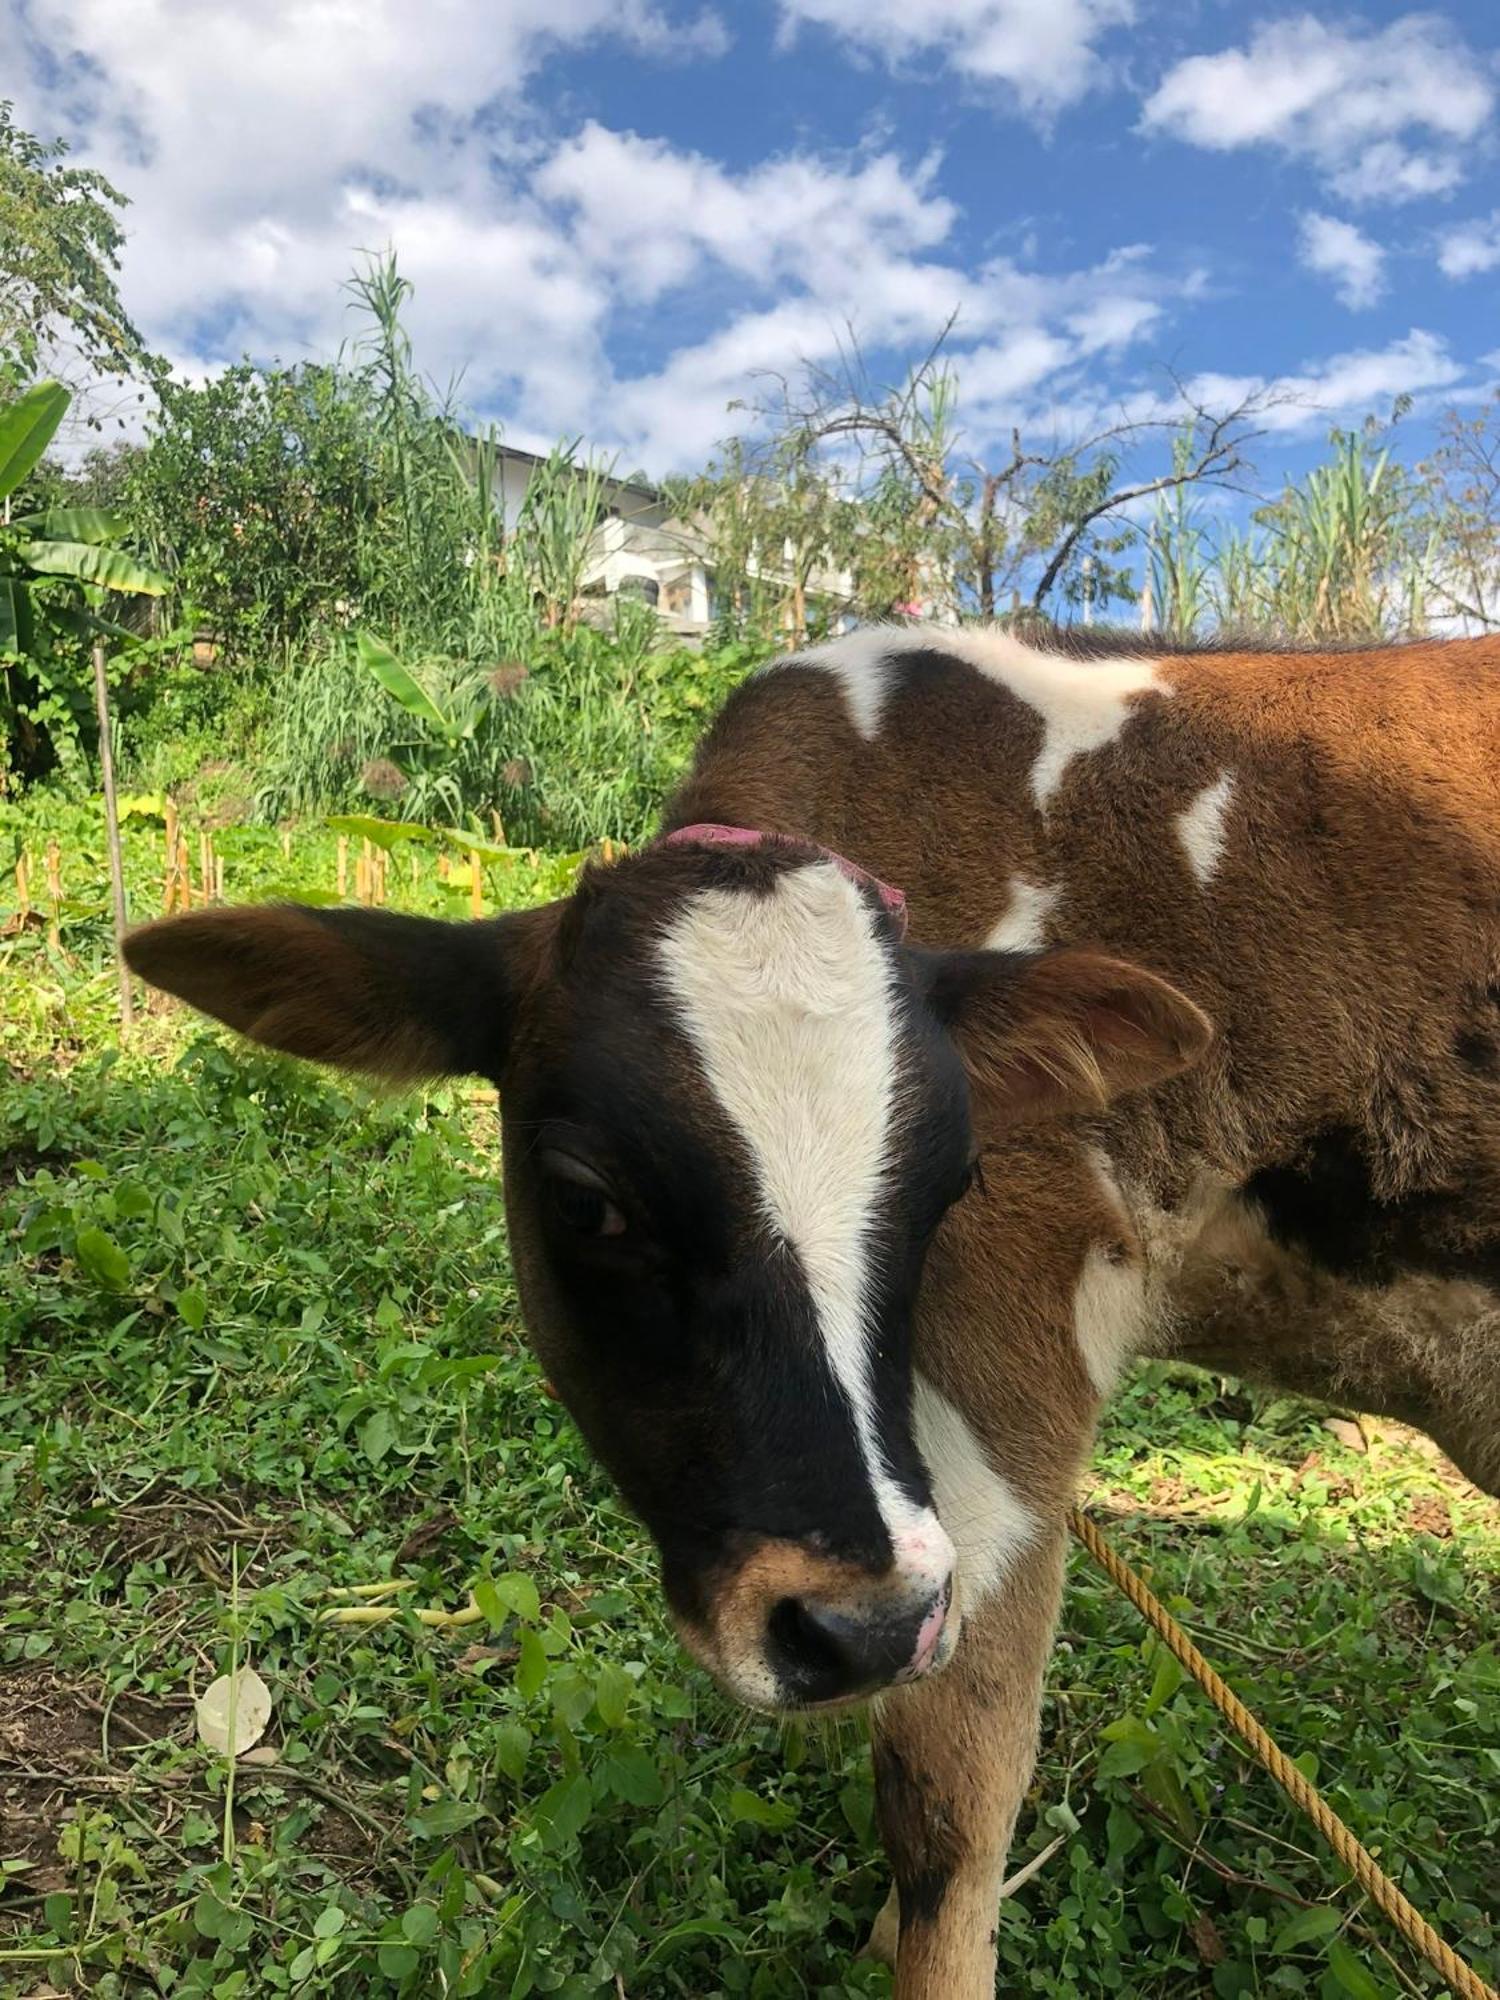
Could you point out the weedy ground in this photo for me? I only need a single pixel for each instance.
(259, 1347)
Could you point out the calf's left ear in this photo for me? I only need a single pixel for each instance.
(393, 996)
(1062, 1031)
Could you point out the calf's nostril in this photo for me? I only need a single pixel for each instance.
(821, 1653)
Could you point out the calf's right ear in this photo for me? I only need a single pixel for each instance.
(393, 996)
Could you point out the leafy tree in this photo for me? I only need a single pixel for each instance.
(60, 240)
(254, 491)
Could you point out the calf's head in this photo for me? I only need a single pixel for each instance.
(735, 1109)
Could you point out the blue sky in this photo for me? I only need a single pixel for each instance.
(619, 213)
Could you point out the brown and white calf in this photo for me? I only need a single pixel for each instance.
(835, 1223)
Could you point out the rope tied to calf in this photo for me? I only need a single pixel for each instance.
(1357, 1858)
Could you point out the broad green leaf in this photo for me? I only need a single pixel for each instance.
(631, 1774)
(379, 832)
(329, 1922)
(1320, 1922)
(1167, 1681)
(483, 850)
(445, 1816)
(103, 1260)
(75, 524)
(27, 427)
(15, 616)
(612, 1694)
(532, 1667)
(192, 1308)
(512, 1744)
(376, 1435)
(397, 1961)
(1351, 1975)
(748, 1805)
(111, 569)
(563, 1810)
(419, 1926)
(518, 1594)
(402, 685)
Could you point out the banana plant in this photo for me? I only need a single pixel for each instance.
(57, 568)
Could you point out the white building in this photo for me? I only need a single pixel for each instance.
(642, 550)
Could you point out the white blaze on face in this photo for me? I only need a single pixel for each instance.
(787, 1001)
(1201, 827)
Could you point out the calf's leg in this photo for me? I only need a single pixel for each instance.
(953, 1758)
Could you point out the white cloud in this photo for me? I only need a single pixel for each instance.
(1471, 248)
(1387, 115)
(1336, 250)
(1344, 387)
(1042, 50)
(650, 214)
(264, 142)
(338, 125)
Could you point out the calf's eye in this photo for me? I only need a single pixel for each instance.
(579, 1199)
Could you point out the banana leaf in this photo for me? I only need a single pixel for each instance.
(27, 427)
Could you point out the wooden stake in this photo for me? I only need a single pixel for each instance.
(218, 878)
(54, 894)
(184, 875)
(343, 866)
(286, 843)
(112, 834)
(499, 827)
(205, 867)
(169, 876)
(476, 888)
(23, 887)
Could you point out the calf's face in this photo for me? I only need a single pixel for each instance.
(735, 1110)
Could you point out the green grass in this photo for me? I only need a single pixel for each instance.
(258, 1344)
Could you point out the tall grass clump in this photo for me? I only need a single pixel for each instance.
(577, 739)
(1341, 556)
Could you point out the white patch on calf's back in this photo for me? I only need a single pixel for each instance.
(1083, 704)
(1201, 828)
(862, 662)
(989, 1523)
(787, 1000)
(1023, 927)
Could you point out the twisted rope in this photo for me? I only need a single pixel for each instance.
(1357, 1858)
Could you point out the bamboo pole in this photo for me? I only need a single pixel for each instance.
(112, 833)
(476, 887)
(54, 894)
(23, 888)
(343, 866)
(184, 874)
(286, 843)
(169, 875)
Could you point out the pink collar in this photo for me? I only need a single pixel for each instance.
(707, 834)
